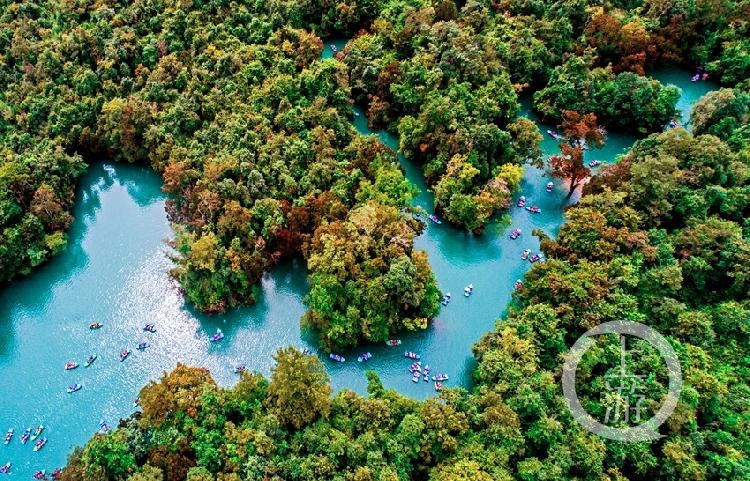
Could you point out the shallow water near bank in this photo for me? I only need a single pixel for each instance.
(115, 270)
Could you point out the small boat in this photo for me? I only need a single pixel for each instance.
(550, 186)
(554, 135)
(57, 474)
(239, 369)
(365, 357)
(124, 354)
(440, 377)
(90, 360)
(525, 254)
(595, 163)
(426, 377)
(446, 299)
(415, 379)
(5, 468)
(103, 427)
(468, 290)
(25, 436)
(306, 351)
(534, 209)
(41, 474)
(218, 336)
(438, 386)
(149, 328)
(333, 48)
(521, 201)
(71, 365)
(518, 284)
(40, 444)
(37, 432)
(9, 435)
(74, 387)
(534, 258)
(393, 342)
(515, 234)
(411, 355)
(95, 325)
(143, 345)
(434, 219)
(695, 78)
(356, 114)
(136, 403)
(337, 358)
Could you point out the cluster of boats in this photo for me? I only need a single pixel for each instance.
(25, 437)
(531, 258)
(423, 373)
(533, 209)
(42, 474)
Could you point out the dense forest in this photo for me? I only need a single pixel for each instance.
(251, 130)
(661, 238)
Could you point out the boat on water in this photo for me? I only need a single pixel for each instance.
(9, 435)
(393, 342)
(365, 357)
(515, 234)
(143, 345)
(550, 186)
(534, 209)
(336, 357)
(411, 355)
(518, 284)
(25, 436)
(415, 378)
(90, 360)
(149, 328)
(71, 365)
(526, 254)
(95, 325)
(438, 386)
(554, 135)
(74, 387)
(434, 219)
(521, 201)
(124, 354)
(41, 474)
(218, 336)
(57, 474)
(239, 369)
(5, 468)
(440, 377)
(535, 258)
(103, 427)
(37, 432)
(445, 300)
(40, 444)
(595, 163)
(306, 351)
(333, 48)
(468, 290)
(136, 402)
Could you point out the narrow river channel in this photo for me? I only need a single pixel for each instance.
(115, 270)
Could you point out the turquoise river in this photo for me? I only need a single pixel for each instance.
(115, 270)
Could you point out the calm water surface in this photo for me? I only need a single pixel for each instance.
(115, 270)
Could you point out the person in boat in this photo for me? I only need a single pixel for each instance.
(521, 201)
(525, 254)
(519, 284)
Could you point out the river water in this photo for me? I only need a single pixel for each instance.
(115, 270)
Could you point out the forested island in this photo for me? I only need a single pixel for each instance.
(251, 132)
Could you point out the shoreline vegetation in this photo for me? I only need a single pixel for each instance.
(251, 132)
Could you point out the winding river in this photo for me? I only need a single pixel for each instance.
(115, 270)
